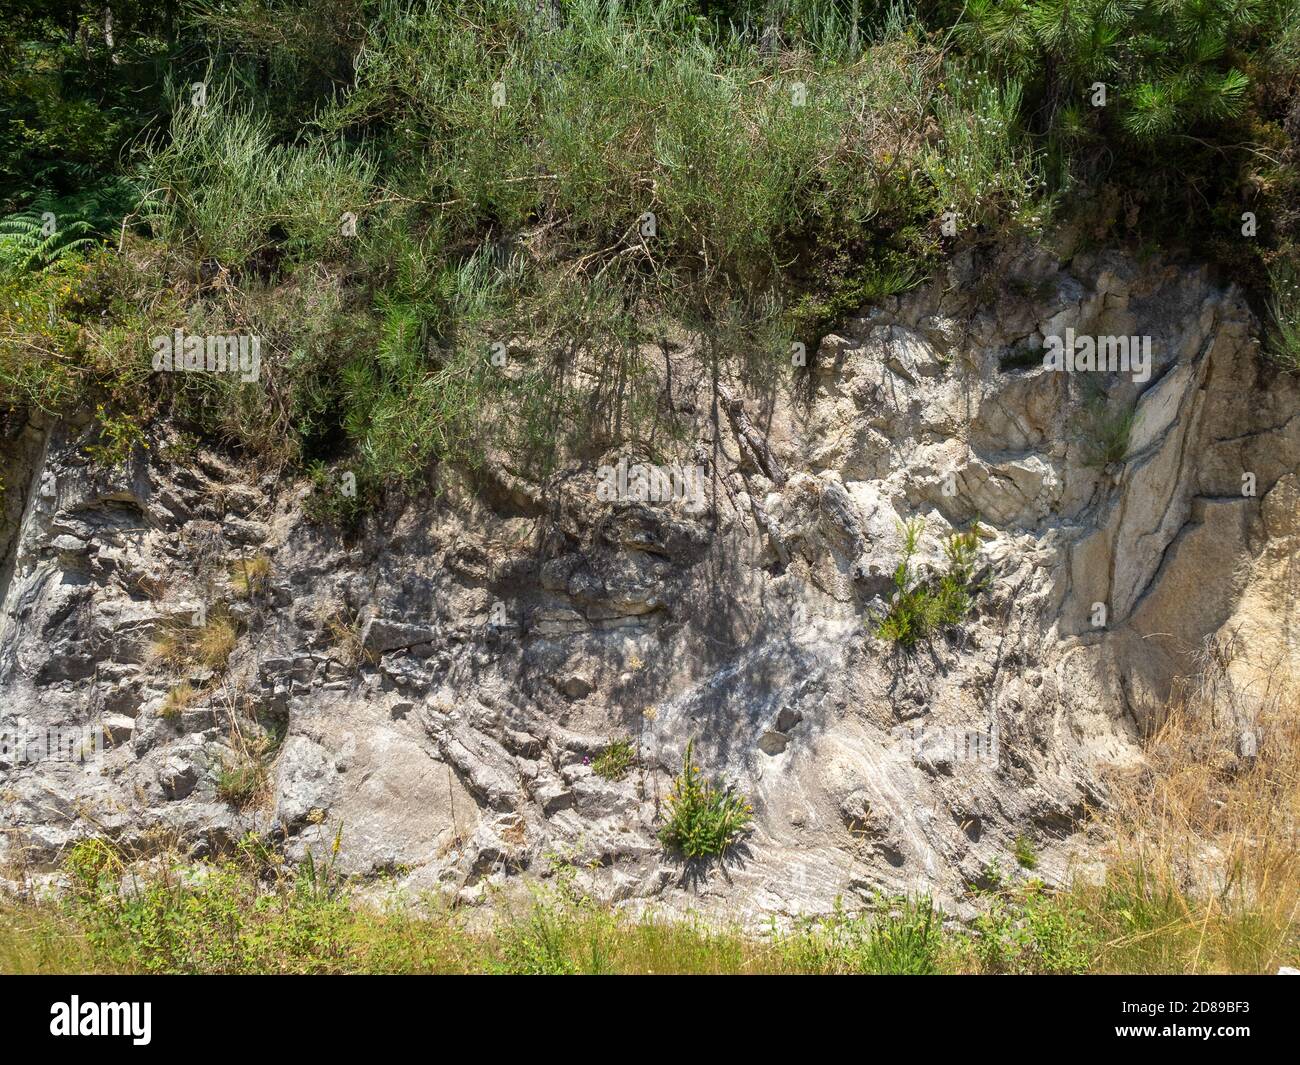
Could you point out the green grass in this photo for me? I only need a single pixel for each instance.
(1282, 341)
(251, 913)
(615, 760)
(1103, 431)
(240, 779)
(224, 189)
(1026, 856)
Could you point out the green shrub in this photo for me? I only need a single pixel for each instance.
(120, 437)
(980, 168)
(919, 608)
(222, 186)
(1031, 930)
(40, 363)
(1167, 63)
(336, 497)
(704, 821)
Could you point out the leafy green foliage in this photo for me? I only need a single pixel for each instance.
(1166, 63)
(75, 90)
(1031, 930)
(703, 820)
(904, 940)
(120, 436)
(501, 165)
(33, 241)
(982, 171)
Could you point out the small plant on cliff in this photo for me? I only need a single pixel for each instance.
(1104, 432)
(250, 577)
(216, 640)
(209, 643)
(919, 608)
(242, 778)
(703, 819)
(1026, 857)
(120, 436)
(615, 760)
(177, 700)
(342, 626)
(335, 499)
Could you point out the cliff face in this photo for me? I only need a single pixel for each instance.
(439, 687)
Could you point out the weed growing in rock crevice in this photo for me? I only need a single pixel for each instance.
(704, 821)
(615, 760)
(919, 608)
(1104, 432)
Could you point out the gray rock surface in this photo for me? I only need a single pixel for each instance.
(434, 692)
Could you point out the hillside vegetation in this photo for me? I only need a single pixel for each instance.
(382, 192)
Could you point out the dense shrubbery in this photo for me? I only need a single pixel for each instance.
(500, 161)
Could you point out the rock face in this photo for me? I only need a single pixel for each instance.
(434, 693)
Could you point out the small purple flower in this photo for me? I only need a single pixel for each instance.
(586, 760)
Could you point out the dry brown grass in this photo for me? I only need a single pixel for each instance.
(181, 647)
(1205, 869)
(171, 646)
(216, 641)
(343, 630)
(181, 696)
(250, 577)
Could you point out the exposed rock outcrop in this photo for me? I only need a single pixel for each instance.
(440, 687)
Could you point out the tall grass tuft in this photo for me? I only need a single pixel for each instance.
(1282, 340)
